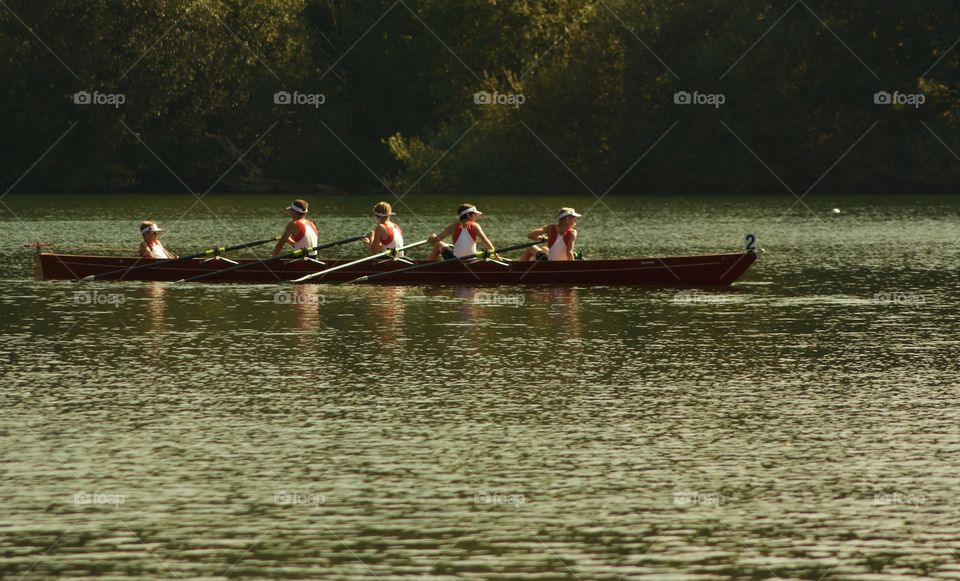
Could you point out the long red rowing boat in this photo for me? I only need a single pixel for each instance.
(705, 270)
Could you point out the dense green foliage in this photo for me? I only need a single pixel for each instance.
(597, 79)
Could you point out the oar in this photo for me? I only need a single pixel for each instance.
(211, 252)
(295, 254)
(483, 254)
(391, 252)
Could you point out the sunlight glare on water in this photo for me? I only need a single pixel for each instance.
(802, 424)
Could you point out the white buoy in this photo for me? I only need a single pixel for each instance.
(836, 210)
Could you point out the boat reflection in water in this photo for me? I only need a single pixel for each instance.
(155, 294)
(556, 308)
(388, 312)
(304, 304)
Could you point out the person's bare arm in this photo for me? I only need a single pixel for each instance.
(538, 234)
(167, 250)
(143, 249)
(573, 242)
(286, 238)
(486, 241)
(434, 238)
(375, 237)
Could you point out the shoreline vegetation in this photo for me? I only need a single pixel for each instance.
(467, 98)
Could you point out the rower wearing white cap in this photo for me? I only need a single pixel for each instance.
(151, 247)
(386, 234)
(560, 238)
(465, 233)
(300, 232)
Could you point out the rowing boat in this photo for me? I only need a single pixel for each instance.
(704, 270)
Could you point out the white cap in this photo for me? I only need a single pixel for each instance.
(470, 210)
(151, 228)
(379, 215)
(568, 212)
(297, 208)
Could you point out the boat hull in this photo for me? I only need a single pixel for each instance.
(705, 270)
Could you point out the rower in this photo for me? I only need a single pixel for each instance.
(560, 238)
(386, 235)
(300, 232)
(151, 247)
(465, 232)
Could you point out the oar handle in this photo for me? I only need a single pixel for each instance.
(295, 254)
(340, 242)
(392, 252)
(483, 254)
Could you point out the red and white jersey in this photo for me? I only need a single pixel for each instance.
(464, 240)
(305, 235)
(558, 246)
(156, 250)
(394, 238)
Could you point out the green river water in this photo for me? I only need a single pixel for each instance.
(803, 424)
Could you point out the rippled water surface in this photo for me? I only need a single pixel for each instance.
(803, 424)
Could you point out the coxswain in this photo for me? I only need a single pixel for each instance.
(151, 247)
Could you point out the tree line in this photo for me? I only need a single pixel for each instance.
(480, 96)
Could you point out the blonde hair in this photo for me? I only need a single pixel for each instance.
(383, 210)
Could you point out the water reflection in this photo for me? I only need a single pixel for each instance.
(305, 303)
(780, 431)
(388, 312)
(155, 294)
(556, 308)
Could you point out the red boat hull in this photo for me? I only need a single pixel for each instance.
(707, 270)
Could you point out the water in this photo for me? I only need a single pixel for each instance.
(803, 424)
